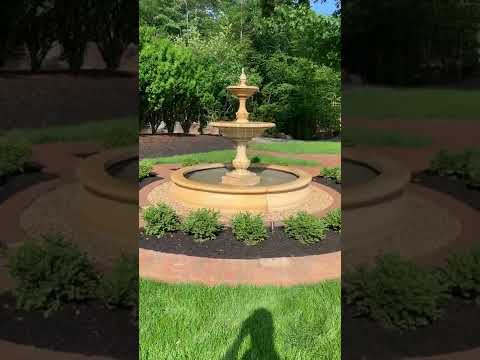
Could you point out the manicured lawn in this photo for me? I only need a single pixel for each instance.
(116, 132)
(301, 147)
(204, 323)
(410, 103)
(375, 137)
(226, 156)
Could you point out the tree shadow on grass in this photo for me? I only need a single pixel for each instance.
(259, 326)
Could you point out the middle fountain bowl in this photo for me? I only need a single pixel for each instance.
(236, 187)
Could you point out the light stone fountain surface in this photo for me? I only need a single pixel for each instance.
(241, 131)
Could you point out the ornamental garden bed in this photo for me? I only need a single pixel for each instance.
(226, 246)
(63, 301)
(457, 175)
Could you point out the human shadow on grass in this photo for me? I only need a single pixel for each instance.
(259, 326)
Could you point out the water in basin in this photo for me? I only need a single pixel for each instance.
(126, 170)
(268, 177)
(355, 173)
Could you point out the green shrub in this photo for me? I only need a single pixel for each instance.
(144, 170)
(473, 170)
(14, 154)
(333, 173)
(255, 160)
(333, 220)
(249, 228)
(120, 288)
(462, 275)
(190, 162)
(50, 273)
(160, 219)
(464, 165)
(395, 292)
(305, 228)
(203, 224)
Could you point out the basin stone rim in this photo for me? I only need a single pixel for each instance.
(178, 178)
(94, 177)
(388, 184)
(242, 125)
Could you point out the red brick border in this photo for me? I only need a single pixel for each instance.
(285, 271)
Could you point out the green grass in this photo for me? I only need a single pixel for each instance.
(202, 323)
(379, 138)
(117, 132)
(226, 156)
(411, 104)
(301, 147)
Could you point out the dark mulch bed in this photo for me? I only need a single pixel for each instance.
(168, 145)
(225, 246)
(458, 330)
(449, 185)
(10, 185)
(89, 329)
(148, 180)
(328, 182)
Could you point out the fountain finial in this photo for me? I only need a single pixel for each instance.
(243, 78)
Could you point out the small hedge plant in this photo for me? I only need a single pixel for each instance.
(333, 220)
(120, 287)
(464, 165)
(50, 273)
(249, 228)
(160, 219)
(203, 224)
(144, 170)
(14, 154)
(334, 173)
(395, 292)
(462, 275)
(190, 162)
(305, 228)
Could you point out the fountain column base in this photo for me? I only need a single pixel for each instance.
(241, 178)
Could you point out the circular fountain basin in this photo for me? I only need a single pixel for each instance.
(280, 188)
(373, 201)
(108, 195)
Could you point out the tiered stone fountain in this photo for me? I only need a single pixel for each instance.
(235, 187)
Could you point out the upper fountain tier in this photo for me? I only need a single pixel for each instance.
(241, 128)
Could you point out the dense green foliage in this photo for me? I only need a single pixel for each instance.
(464, 165)
(203, 224)
(305, 228)
(160, 219)
(190, 52)
(51, 273)
(119, 288)
(14, 153)
(409, 41)
(249, 228)
(39, 23)
(333, 220)
(462, 275)
(333, 173)
(396, 292)
(144, 169)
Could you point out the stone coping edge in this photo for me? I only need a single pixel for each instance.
(390, 183)
(178, 178)
(94, 177)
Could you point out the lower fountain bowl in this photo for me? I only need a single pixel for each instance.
(280, 189)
